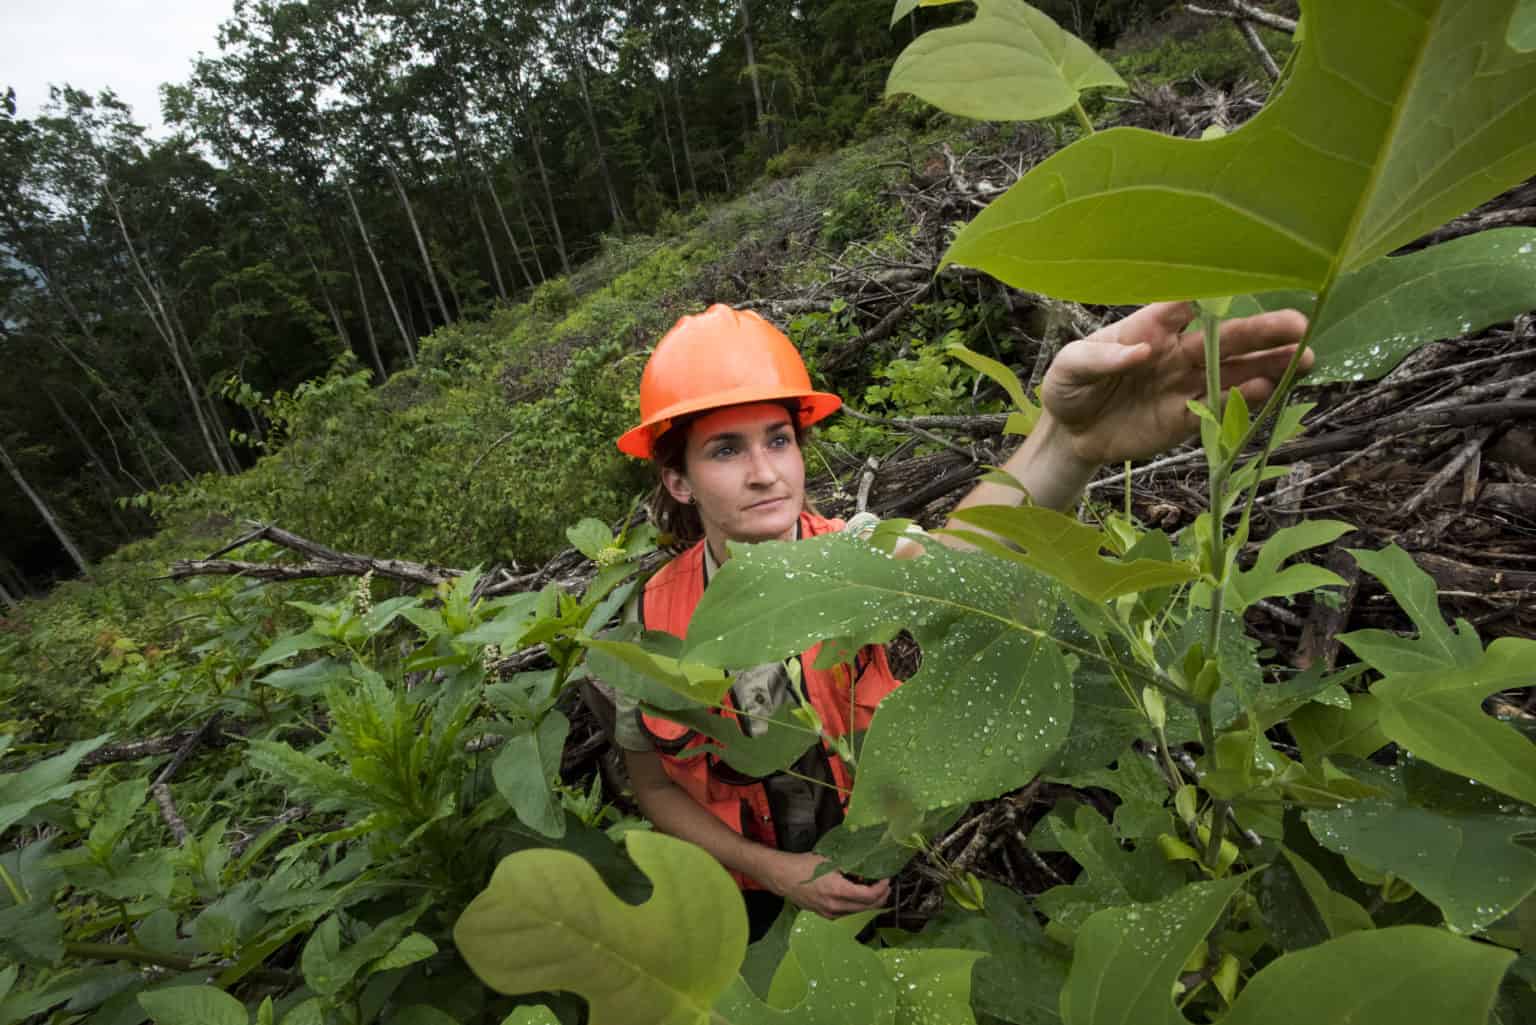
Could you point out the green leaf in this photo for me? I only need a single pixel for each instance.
(1006, 378)
(1267, 580)
(308, 680)
(1140, 787)
(933, 987)
(1438, 715)
(384, 613)
(826, 978)
(1324, 731)
(1470, 865)
(589, 537)
(1391, 976)
(1437, 645)
(906, 7)
(1011, 63)
(329, 967)
(975, 620)
(193, 1005)
(413, 948)
(1111, 876)
(1021, 977)
(540, 1015)
(1385, 310)
(547, 922)
(329, 787)
(879, 852)
(1069, 551)
(1298, 907)
(1393, 121)
(655, 657)
(1126, 959)
(526, 766)
(22, 793)
(783, 741)
(290, 645)
(1522, 27)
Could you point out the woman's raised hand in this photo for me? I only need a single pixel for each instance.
(1123, 392)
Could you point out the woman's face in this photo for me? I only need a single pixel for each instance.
(745, 472)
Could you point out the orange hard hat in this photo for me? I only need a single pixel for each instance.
(721, 357)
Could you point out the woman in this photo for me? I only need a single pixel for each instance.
(725, 401)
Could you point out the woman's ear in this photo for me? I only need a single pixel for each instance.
(677, 486)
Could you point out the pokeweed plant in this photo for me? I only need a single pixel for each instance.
(1300, 868)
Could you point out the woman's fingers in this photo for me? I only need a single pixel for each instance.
(1249, 335)
(1269, 365)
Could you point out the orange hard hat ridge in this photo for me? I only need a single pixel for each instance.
(721, 357)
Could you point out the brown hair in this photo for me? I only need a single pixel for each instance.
(669, 452)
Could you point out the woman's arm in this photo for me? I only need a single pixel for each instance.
(672, 811)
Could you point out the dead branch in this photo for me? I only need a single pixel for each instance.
(162, 792)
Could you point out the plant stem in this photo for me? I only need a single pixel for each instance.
(1083, 120)
(138, 955)
(1211, 325)
(18, 895)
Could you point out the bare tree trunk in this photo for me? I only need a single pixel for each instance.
(666, 129)
(221, 432)
(549, 199)
(501, 213)
(405, 336)
(8, 598)
(362, 310)
(746, 36)
(46, 513)
(109, 483)
(682, 123)
(153, 302)
(421, 244)
(533, 242)
(579, 62)
(490, 248)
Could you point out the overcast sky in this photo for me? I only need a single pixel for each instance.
(130, 45)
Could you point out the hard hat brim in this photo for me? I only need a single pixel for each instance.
(814, 406)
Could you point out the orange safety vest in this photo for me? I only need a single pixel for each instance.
(667, 604)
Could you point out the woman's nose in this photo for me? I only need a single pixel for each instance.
(760, 468)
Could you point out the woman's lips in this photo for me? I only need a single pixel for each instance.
(768, 503)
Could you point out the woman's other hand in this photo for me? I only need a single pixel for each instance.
(1123, 392)
(831, 895)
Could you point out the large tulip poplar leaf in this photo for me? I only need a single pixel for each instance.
(1396, 118)
(1405, 974)
(1472, 866)
(1438, 715)
(1010, 63)
(826, 978)
(992, 701)
(1126, 959)
(547, 922)
(1384, 311)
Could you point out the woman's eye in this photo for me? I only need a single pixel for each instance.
(723, 452)
(780, 441)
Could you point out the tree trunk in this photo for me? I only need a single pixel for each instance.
(9, 599)
(109, 483)
(490, 248)
(153, 302)
(746, 36)
(666, 130)
(549, 199)
(579, 62)
(501, 213)
(682, 123)
(362, 311)
(405, 336)
(221, 432)
(421, 244)
(46, 513)
(533, 242)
